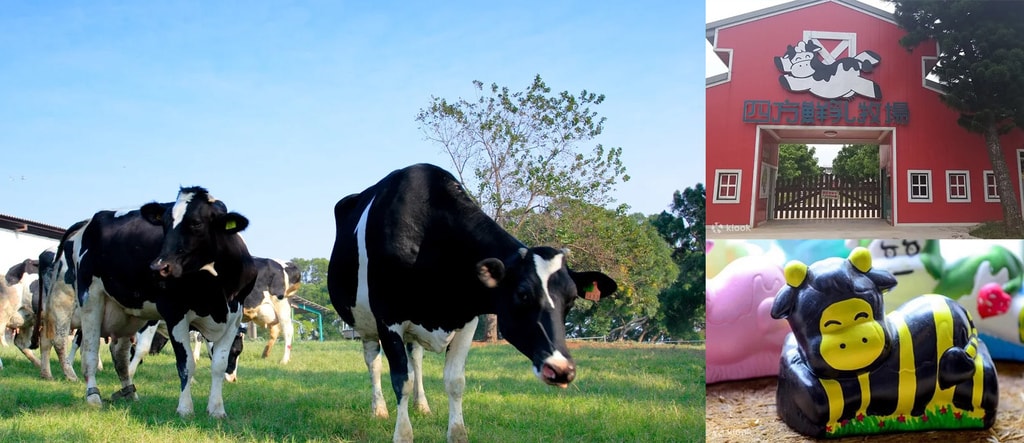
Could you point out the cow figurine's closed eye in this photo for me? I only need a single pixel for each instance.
(849, 369)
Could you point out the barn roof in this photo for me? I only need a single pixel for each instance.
(30, 227)
(712, 27)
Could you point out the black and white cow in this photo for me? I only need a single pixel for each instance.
(182, 262)
(267, 304)
(415, 260)
(19, 290)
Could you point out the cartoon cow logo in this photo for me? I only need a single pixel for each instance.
(803, 69)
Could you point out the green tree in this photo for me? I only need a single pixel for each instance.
(859, 162)
(314, 288)
(626, 247)
(797, 161)
(683, 303)
(516, 152)
(981, 66)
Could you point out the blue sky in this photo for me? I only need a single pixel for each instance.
(282, 108)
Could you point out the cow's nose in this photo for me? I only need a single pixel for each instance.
(164, 269)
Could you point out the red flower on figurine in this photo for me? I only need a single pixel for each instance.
(943, 410)
(881, 424)
(924, 418)
(901, 419)
(860, 417)
(958, 414)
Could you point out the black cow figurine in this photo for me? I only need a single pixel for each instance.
(849, 369)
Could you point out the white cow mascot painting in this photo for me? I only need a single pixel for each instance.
(808, 67)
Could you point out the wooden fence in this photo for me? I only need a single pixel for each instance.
(827, 197)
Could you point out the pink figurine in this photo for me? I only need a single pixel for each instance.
(743, 340)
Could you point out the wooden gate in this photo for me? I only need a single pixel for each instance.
(827, 197)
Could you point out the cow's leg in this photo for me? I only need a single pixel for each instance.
(371, 353)
(284, 319)
(92, 323)
(180, 342)
(65, 357)
(219, 354)
(401, 382)
(143, 342)
(274, 331)
(419, 396)
(120, 354)
(455, 379)
(197, 340)
(31, 356)
(45, 343)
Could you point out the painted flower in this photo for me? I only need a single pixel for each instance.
(828, 428)
(901, 419)
(924, 418)
(957, 414)
(860, 417)
(881, 423)
(943, 410)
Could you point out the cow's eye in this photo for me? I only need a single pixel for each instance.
(196, 226)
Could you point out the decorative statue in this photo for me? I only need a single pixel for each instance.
(847, 368)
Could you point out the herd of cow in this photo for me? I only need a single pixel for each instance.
(414, 263)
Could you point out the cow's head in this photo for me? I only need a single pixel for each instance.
(835, 310)
(193, 227)
(535, 290)
(231, 372)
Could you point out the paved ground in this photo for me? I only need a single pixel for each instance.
(806, 229)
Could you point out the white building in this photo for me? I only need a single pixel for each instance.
(21, 239)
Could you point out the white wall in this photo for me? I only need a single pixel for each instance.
(15, 247)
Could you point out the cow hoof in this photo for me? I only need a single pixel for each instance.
(218, 414)
(184, 412)
(126, 393)
(457, 434)
(423, 408)
(380, 412)
(94, 399)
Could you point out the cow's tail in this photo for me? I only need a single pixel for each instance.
(47, 266)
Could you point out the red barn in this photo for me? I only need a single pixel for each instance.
(833, 72)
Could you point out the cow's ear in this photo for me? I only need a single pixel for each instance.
(490, 271)
(232, 223)
(154, 213)
(14, 274)
(593, 285)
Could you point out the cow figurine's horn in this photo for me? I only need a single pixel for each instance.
(795, 272)
(861, 259)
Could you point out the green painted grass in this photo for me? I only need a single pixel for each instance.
(622, 393)
(947, 417)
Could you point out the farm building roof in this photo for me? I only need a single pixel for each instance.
(30, 227)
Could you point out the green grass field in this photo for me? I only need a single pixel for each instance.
(622, 393)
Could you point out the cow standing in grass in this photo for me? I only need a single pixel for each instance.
(183, 262)
(416, 261)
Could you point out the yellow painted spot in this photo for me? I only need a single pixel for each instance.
(850, 337)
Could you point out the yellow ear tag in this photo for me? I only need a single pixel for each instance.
(795, 272)
(230, 225)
